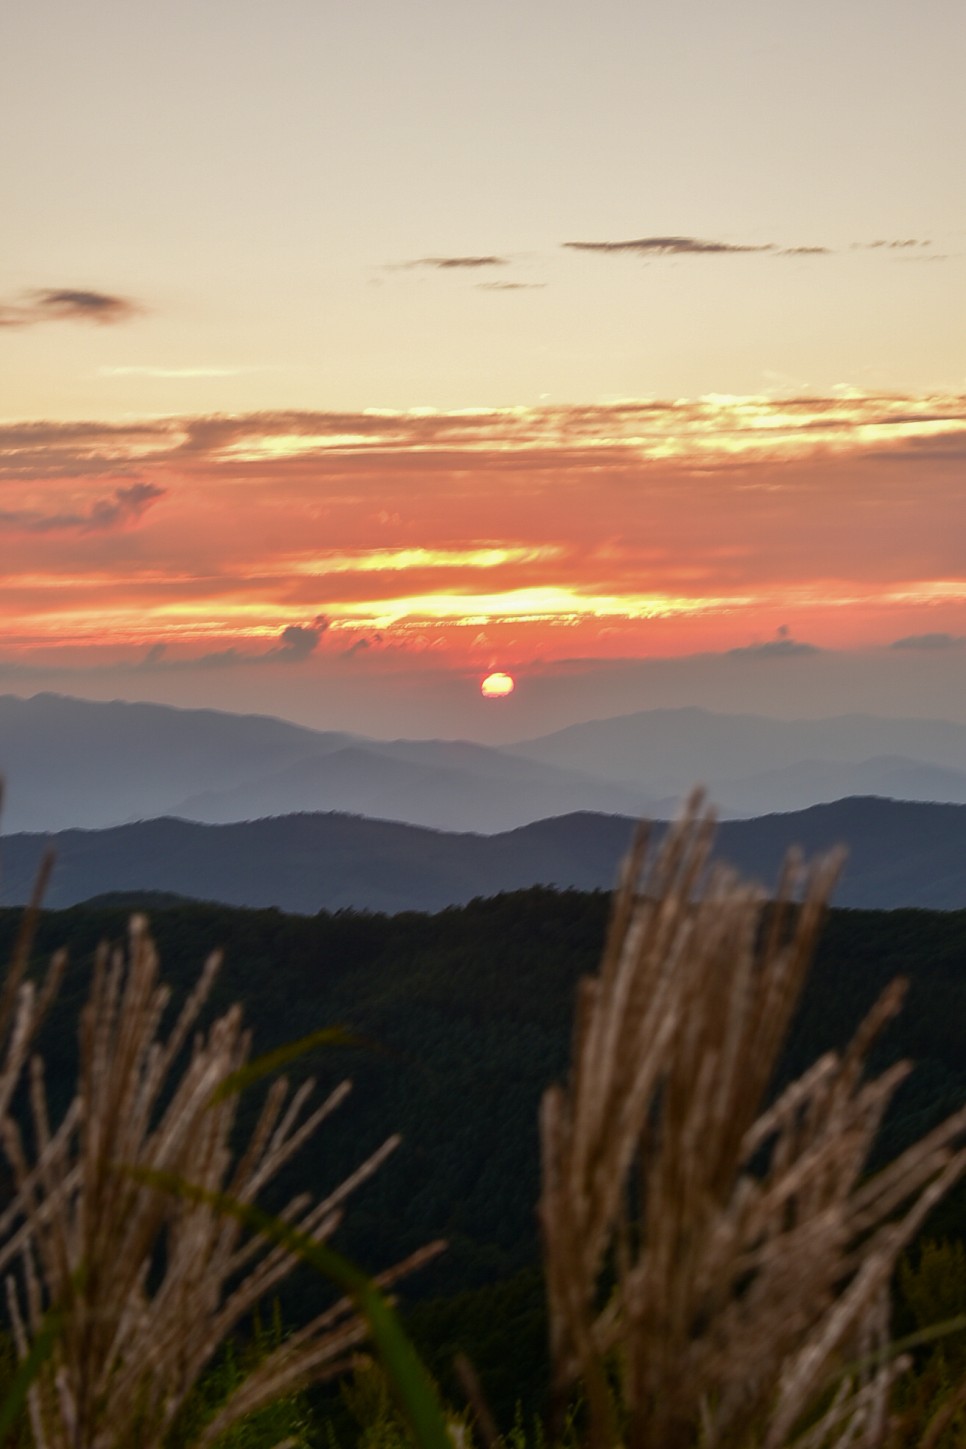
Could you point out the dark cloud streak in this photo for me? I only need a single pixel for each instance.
(783, 646)
(668, 246)
(68, 304)
(125, 506)
(680, 246)
(445, 264)
(892, 246)
(929, 641)
(296, 642)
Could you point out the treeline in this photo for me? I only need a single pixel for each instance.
(461, 1019)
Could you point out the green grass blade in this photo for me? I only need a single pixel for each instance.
(414, 1391)
(269, 1062)
(933, 1334)
(28, 1369)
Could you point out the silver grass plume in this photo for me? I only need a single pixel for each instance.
(718, 1271)
(147, 1285)
(22, 1005)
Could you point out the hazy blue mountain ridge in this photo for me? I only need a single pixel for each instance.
(85, 764)
(818, 782)
(900, 854)
(432, 783)
(88, 764)
(670, 748)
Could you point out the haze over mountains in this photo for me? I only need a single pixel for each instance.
(71, 762)
(77, 763)
(754, 764)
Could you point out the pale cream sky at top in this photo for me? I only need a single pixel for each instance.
(256, 177)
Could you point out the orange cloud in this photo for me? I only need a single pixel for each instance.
(634, 526)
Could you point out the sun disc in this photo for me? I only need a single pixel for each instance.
(497, 686)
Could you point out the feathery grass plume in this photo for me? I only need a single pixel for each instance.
(718, 1273)
(148, 1284)
(22, 1010)
(22, 1006)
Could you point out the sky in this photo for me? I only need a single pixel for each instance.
(350, 353)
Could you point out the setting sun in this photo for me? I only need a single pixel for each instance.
(497, 686)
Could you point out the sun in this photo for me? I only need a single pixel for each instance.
(497, 686)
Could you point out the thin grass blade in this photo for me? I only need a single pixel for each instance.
(273, 1061)
(411, 1383)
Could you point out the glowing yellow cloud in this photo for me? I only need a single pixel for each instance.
(527, 605)
(642, 518)
(400, 560)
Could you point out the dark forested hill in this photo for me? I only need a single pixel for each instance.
(900, 854)
(470, 1013)
(466, 1017)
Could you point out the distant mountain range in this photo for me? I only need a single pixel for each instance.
(71, 762)
(753, 764)
(900, 854)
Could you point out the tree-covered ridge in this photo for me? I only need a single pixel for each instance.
(464, 1018)
(461, 1019)
(900, 853)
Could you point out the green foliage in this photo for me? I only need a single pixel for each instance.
(275, 1061)
(931, 1300)
(15, 1379)
(932, 1287)
(502, 1329)
(414, 1392)
(289, 1417)
(368, 1400)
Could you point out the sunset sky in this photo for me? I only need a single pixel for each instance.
(350, 352)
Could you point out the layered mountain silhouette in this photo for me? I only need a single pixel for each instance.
(80, 763)
(71, 762)
(900, 854)
(450, 785)
(753, 764)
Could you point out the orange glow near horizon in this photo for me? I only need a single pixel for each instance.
(622, 530)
